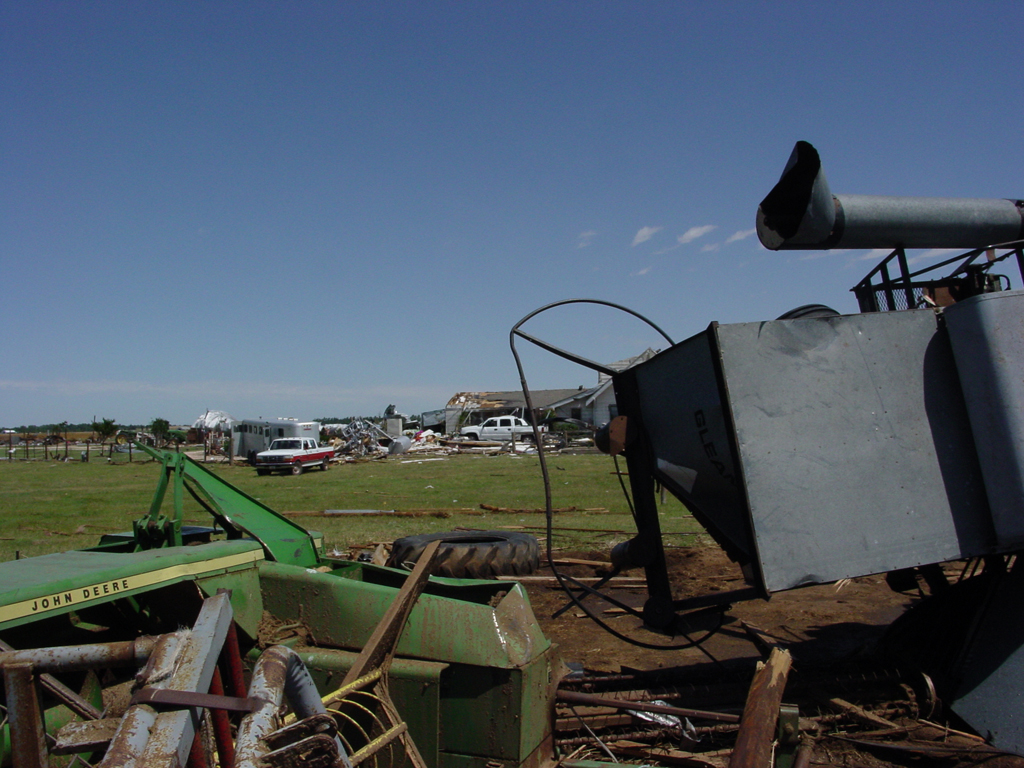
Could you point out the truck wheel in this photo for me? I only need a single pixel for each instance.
(325, 465)
(472, 436)
(471, 554)
(297, 468)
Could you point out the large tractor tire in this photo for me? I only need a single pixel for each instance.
(471, 554)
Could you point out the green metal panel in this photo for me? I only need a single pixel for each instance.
(497, 714)
(246, 598)
(345, 612)
(415, 688)
(235, 511)
(51, 585)
(495, 696)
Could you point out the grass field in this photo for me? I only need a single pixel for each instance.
(48, 506)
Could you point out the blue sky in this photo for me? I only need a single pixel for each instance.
(308, 209)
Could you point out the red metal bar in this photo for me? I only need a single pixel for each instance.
(197, 755)
(231, 662)
(222, 725)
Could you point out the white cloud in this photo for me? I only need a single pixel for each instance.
(643, 271)
(585, 238)
(743, 234)
(645, 234)
(934, 253)
(694, 232)
(875, 255)
(710, 247)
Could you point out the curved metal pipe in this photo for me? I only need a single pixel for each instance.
(279, 672)
(801, 213)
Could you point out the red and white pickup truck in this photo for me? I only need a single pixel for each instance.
(293, 454)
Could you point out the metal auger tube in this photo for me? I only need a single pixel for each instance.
(801, 213)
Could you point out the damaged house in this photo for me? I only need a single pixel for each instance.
(594, 406)
(466, 408)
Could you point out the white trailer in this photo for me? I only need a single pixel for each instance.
(249, 436)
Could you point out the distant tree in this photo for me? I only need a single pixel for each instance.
(160, 428)
(105, 429)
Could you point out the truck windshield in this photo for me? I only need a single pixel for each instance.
(285, 445)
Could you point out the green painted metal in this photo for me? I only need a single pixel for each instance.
(53, 585)
(473, 675)
(235, 511)
(246, 597)
(414, 685)
(441, 627)
(507, 712)
(495, 697)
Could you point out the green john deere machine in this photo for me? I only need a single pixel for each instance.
(468, 677)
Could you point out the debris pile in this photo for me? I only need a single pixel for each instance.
(707, 715)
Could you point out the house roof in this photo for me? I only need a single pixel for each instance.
(588, 396)
(629, 362)
(542, 398)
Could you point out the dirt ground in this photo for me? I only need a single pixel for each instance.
(817, 624)
(832, 632)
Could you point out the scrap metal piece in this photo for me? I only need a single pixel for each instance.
(85, 736)
(761, 712)
(164, 740)
(279, 673)
(315, 751)
(28, 735)
(55, 687)
(169, 698)
(591, 700)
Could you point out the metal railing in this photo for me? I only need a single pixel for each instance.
(883, 291)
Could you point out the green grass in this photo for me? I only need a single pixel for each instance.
(50, 506)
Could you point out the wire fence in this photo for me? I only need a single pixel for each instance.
(69, 451)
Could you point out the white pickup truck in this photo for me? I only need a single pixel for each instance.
(293, 454)
(502, 428)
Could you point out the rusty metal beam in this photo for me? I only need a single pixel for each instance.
(381, 646)
(757, 727)
(184, 661)
(28, 735)
(591, 700)
(171, 739)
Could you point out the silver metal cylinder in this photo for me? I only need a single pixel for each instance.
(801, 213)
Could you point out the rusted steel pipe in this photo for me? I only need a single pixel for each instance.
(279, 672)
(76, 658)
(197, 754)
(28, 735)
(635, 706)
(65, 695)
